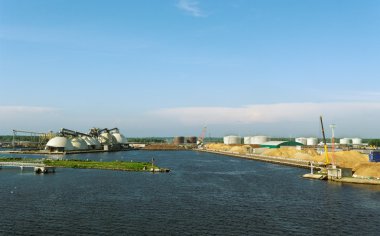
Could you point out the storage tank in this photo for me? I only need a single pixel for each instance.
(78, 143)
(357, 141)
(301, 140)
(311, 141)
(191, 139)
(345, 141)
(248, 140)
(232, 140)
(179, 140)
(60, 144)
(259, 139)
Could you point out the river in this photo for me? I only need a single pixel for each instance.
(204, 194)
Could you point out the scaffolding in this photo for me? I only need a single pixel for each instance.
(30, 139)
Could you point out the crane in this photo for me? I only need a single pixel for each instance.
(324, 142)
(202, 137)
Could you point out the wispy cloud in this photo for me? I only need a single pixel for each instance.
(191, 7)
(7, 110)
(271, 113)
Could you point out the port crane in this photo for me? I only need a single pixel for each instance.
(324, 142)
(201, 138)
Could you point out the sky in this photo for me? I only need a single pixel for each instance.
(171, 67)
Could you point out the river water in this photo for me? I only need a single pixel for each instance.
(204, 194)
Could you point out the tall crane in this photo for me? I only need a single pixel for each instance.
(324, 142)
(202, 136)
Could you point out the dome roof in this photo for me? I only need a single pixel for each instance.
(78, 143)
(60, 142)
(91, 141)
(107, 138)
(120, 138)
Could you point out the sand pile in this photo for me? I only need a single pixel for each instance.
(241, 149)
(370, 169)
(291, 152)
(349, 159)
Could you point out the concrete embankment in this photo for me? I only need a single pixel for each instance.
(277, 160)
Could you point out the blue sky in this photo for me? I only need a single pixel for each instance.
(169, 67)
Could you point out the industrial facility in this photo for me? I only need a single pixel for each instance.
(97, 139)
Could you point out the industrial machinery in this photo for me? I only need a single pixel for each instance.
(324, 142)
(201, 138)
(30, 139)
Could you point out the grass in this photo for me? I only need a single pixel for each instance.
(84, 164)
(112, 165)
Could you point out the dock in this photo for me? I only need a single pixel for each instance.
(38, 168)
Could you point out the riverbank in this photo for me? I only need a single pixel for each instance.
(300, 163)
(88, 164)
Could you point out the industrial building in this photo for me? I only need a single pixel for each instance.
(97, 139)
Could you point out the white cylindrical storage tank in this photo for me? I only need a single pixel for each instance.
(232, 140)
(311, 141)
(345, 141)
(247, 140)
(357, 141)
(301, 140)
(225, 139)
(259, 139)
(78, 143)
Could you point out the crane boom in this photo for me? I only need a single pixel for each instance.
(324, 142)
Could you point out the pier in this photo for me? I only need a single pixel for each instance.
(38, 168)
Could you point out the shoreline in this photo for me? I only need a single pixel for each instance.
(299, 164)
(84, 164)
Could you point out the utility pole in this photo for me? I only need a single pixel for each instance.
(332, 126)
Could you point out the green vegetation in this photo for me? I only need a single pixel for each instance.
(84, 164)
(374, 142)
(19, 159)
(113, 165)
(148, 140)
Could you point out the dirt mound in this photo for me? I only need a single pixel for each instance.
(368, 170)
(349, 159)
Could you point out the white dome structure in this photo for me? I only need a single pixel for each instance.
(120, 139)
(232, 140)
(91, 142)
(59, 144)
(259, 139)
(107, 139)
(311, 141)
(357, 141)
(78, 143)
(301, 140)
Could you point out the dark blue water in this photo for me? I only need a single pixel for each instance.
(204, 194)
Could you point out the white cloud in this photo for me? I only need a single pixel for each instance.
(271, 113)
(191, 7)
(9, 110)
